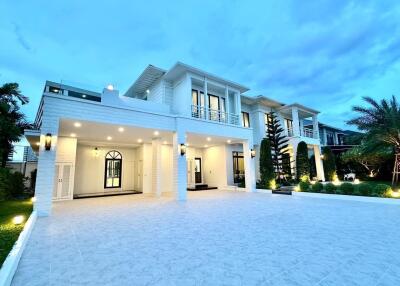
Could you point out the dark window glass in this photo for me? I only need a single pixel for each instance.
(54, 89)
(238, 167)
(329, 139)
(83, 96)
(246, 119)
(112, 176)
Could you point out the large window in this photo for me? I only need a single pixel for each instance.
(246, 119)
(238, 167)
(113, 170)
(329, 138)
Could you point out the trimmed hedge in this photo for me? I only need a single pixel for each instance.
(364, 189)
(304, 186)
(330, 188)
(317, 187)
(347, 188)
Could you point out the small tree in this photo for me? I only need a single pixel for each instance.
(266, 165)
(329, 163)
(302, 161)
(279, 144)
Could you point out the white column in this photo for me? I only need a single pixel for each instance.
(179, 166)
(324, 137)
(318, 163)
(282, 123)
(156, 166)
(295, 118)
(295, 143)
(249, 167)
(315, 126)
(227, 107)
(46, 168)
(301, 127)
(206, 104)
(239, 108)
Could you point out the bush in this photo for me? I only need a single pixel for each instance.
(329, 163)
(381, 190)
(317, 187)
(267, 172)
(302, 162)
(364, 189)
(347, 188)
(11, 184)
(330, 188)
(304, 186)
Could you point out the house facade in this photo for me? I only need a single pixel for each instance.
(171, 131)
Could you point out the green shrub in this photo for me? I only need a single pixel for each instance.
(364, 189)
(267, 172)
(304, 186)
(11, 184)
(317, 187)
(381, 190)
(330, 188)
(356, 192)
(347, 188)
(302, 162)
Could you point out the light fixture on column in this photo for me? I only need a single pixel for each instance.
(96, 152)
(252, 153)
(47, 142)
(183, 149)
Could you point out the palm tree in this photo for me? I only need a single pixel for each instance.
(381, 123)
(12, 121)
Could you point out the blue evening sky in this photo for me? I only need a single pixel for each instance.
(323, 54)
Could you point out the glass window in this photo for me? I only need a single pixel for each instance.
(238, 167)
(246, 119)
(113, 170)
(213, 104)
(329, 139)
(195, 100)
(53, 89)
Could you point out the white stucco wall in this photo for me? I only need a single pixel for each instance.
(89, 170)
(215, 166)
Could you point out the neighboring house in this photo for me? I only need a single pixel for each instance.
(173, 130)
(22, 159)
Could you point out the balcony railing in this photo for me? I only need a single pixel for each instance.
(214, 115)
(306, 132)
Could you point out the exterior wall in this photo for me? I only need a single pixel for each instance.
(90, 170)
(156, 94)
(215, 169)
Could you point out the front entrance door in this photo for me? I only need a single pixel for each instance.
(62, 188)
(197, 170)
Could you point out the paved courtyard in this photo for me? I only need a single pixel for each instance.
(215, 238)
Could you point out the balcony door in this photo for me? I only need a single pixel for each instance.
(198, 104)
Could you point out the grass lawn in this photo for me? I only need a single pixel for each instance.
(8, 231)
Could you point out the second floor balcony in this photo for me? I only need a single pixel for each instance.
(304, 132)
(201, 112)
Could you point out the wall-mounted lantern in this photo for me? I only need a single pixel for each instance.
(96, 152)
(47, 142)
(252, 153)
(183, 149)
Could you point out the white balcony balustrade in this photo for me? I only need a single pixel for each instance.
(306, 132)
(214, 115)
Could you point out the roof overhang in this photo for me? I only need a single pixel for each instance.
(180, 68)
(147, 78)
(33, 137)
(261, 99)
(304, 111)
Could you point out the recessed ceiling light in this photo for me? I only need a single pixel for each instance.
(208, 139)
(121, 129)
(109, 138)
(156, 133)
(139, 140)
(84, 95)
(229, 141)
(205, 146)
(73, 135)
(147, 91)
(110, 87)
(77, 124)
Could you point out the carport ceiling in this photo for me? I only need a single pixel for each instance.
(86, 131)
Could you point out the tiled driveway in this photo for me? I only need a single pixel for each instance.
(215, 238)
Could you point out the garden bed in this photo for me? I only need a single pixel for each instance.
(9, 232)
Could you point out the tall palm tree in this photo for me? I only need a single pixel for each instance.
(381, 123)
(12, 121)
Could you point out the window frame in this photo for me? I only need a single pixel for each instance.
(244, 114)
(118, 158)
(236, 155)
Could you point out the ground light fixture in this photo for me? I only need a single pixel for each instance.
(252, 153)
(356, 181)
(18, 219)
(47, 142)
(395, 194)
(33, 199)
(183, 149)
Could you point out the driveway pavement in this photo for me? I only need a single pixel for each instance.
(215, 238)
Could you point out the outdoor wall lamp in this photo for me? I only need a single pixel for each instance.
(96, 152)
(183, 149)
(47, 142)
(252, 153)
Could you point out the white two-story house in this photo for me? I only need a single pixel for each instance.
(172, 131)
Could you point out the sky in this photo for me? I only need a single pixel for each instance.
(323, 54)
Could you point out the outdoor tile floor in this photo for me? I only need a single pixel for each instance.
(215, 238)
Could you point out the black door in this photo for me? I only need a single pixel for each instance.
(197, 170)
